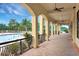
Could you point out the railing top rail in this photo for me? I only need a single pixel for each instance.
(11, 41)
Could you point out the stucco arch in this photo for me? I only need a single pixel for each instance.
(37, 10)
(28, 8)
(44, 16)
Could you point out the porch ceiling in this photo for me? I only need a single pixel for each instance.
(51, 6)
(59, 16)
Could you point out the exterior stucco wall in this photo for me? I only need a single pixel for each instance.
(77, 40)
(75, 32)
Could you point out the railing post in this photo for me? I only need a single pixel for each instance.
(21, 50)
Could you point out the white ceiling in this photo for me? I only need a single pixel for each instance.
(61, 15)
(64, 15)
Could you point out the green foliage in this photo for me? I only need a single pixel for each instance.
(13, 48)
(13, 25)
(21, 28)
(3, 27)
(64, 29)
(27, 24)
(24, 47)
(28, 38)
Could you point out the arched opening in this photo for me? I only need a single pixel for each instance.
(15, 28)
(41, 28)
(46, 26)
(64, 28)
(51, 28)
(14, 18)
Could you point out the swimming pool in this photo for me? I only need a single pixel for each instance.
(10, 37)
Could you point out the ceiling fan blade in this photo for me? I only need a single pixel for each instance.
(51, 11)
(61, 8)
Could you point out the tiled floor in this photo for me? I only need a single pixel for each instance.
(59, 45)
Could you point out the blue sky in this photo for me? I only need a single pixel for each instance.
(13, 11)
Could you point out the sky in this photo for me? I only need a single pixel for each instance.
(13, 11)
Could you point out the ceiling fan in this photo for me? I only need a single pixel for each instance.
(56, 9)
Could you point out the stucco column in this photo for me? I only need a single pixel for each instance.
(42, 34)
(47, 30)
(58, 29)
(34, 31)
(51, 28)
(41, 25)
(70, 29)
(73, 31)
(74, 25)
(54, 29)
(74, 34)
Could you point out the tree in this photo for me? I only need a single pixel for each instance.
(64, 29)
(27, 24)
(3, 27)
(21, 27)
(13, 25)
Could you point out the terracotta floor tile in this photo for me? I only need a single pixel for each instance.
(59, 45)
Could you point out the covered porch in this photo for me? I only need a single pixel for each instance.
(56, 43)
(48, 18)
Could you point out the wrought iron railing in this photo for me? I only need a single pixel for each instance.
(15, 47)
(41, 38)
(18, 46)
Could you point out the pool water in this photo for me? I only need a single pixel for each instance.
(10, 37)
